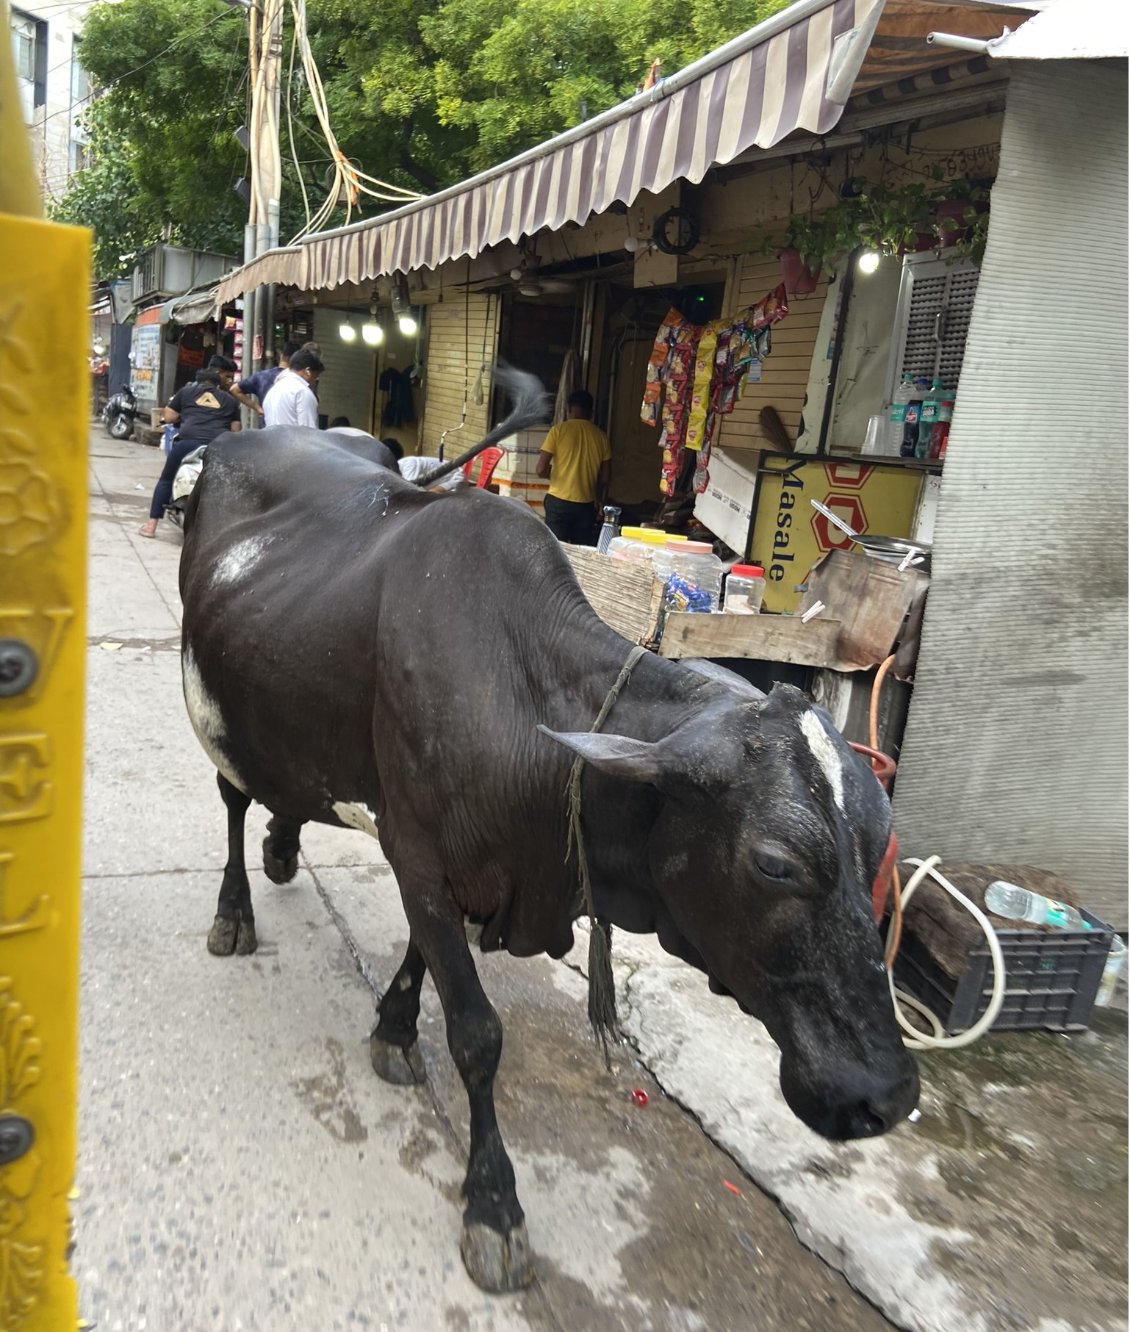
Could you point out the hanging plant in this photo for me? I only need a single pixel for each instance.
(893, 220)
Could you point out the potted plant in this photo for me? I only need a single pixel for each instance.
(890, 219)
(961, 217)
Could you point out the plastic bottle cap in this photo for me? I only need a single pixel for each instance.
(693, 547)
(748, 571)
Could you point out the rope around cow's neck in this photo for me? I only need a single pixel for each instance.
(602, 988)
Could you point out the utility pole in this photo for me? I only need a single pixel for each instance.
(265, 24)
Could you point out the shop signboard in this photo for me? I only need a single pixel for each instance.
(146, 362)
(789, 535)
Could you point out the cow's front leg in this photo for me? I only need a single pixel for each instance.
(233, 930)
(281, 847)
(392, 1045)
(495, 1246)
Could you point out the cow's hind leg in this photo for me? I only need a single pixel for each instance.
(392, 1046)
(495, 1246)
(233, 930)
(281, 847)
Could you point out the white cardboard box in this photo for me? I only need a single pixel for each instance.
(725, 506)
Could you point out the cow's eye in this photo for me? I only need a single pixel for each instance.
(773, 868)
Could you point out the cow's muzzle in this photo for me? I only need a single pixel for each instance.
(854, 1103)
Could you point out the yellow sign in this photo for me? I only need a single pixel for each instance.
(789, 535)
(44, 340)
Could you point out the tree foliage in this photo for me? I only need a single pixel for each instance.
(421, 92)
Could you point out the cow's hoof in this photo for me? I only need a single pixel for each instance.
(395, 1064)
(494, 1262)
(246, 942)
(275, 868)
(222, 937)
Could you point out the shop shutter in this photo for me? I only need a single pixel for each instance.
(935, 306)
(462, 341)
(346, 385)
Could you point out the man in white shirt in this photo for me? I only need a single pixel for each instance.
(290, 399)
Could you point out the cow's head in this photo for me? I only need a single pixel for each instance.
(763, 854)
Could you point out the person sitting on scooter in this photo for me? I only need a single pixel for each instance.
(204, 410)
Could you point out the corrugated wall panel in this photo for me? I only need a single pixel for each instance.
(784, 376)
(462, 337)
(1015, 748)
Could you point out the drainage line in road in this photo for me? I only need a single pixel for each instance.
(789, 1215)
(347, 934)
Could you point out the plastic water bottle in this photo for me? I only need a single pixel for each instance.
(910, 421)
(611, 514)
(941, 431)
(931, 408)
(897, 415)
(1016, 903)
(1115, 961)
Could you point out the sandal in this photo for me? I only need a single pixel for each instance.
(145, 532)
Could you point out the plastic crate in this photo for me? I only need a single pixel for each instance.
(1052, 978)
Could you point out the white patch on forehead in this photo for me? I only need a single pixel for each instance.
(356, 816)
(207, 720)
(239, 559)
(825, 753)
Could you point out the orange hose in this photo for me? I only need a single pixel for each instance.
(896, 883)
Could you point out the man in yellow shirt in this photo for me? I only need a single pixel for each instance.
(577, 458)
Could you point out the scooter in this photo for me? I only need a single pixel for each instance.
(188, 473)
(120, 413)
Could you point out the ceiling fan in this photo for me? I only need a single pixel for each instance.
(528, 280)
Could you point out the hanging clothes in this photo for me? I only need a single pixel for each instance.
(399, 408)
(694, 378)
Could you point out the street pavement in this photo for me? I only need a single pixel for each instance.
(242, 1167)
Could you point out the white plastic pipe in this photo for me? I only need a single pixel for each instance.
(914, 1039)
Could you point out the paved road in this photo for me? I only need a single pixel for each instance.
(243, 1168)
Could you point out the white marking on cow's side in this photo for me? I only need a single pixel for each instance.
(207, 720)
(356, 816)
(825, 753)
(240, 559)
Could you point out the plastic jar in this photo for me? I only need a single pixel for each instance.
(639, 543)
(745, 587)
(698, 582)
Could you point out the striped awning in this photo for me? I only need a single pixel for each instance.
(794, 71)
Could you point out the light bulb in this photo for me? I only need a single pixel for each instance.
(346, 332)
(372, 334)
(868, 261)
(407, 325)
(631, 244)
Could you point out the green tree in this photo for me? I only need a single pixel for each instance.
(421, 92)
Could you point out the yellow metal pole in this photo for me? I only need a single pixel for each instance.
(44, 293)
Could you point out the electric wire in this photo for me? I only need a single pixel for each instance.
(348, 179)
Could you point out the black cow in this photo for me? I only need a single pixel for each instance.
(329, 605)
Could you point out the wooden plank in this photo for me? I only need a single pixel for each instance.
(759, 637)
(625, 593)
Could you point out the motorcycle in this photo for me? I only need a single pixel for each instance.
(120, 413)
(188, 473)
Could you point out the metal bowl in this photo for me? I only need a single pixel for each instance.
(893, 550)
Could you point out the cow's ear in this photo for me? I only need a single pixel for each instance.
(693, 756)
(617, 755)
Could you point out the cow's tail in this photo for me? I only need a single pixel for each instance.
(530, 407)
